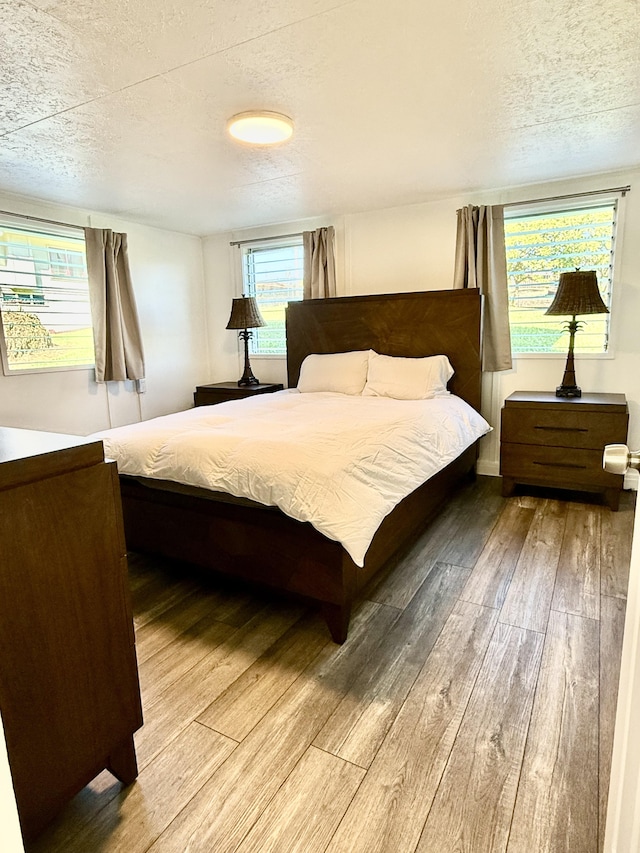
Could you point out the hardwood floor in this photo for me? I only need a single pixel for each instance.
(471, 709)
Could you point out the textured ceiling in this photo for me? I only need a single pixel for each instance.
(121, 107)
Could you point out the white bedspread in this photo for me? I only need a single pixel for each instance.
(340, 462)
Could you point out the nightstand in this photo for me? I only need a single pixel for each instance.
(558, 442)
(222, 392)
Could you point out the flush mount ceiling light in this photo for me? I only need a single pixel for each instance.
(260, 127)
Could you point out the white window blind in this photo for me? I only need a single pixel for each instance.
(44, 298)
(273, 274)
(540, 246)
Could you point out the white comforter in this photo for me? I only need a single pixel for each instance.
(340, 462)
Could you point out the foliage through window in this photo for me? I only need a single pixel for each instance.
(273, 274)
(44, 298)
(540, 246)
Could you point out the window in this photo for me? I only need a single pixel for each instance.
(540, 246)
(65, 263)
(44, 298)
(273, 274)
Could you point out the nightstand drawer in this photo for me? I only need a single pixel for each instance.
(223, 392)
(573, 429)
(567, 468)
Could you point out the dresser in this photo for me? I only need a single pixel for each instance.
(222, 392)
(558, 442)
(69, 692)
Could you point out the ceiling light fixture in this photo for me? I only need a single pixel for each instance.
(260, 127)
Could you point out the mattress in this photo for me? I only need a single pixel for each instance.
(340, 462)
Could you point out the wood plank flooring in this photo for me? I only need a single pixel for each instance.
(470, 711)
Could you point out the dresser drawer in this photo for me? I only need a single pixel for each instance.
(573, 429)
(567, 468)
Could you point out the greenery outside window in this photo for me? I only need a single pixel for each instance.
(540, 246)
(272, 272)
(45, 315)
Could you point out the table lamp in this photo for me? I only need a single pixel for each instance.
(577, 293)
(245, 315)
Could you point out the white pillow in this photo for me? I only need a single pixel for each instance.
(408, 378)
(341, 372)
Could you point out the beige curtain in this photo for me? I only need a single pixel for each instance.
(116, 329)
(481, 263)
(319, 263)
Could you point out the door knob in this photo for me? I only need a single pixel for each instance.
(617, 459)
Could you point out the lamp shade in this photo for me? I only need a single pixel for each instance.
(245, 314)
(578, 293)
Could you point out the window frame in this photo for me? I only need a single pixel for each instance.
(258, 243)
(577, 203)
(26, 223)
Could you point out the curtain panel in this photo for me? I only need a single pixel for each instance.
(481, 262)
(116, 329)
(319, 279)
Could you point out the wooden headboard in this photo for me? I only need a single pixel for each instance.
(437, 322)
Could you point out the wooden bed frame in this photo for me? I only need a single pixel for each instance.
(263, 545)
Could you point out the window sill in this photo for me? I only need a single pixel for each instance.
(29, 371)
(547, 356)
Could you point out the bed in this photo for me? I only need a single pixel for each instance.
(259, 543)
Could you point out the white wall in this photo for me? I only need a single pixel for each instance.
(412, 248)
(10, 835)
(219, 274)
(168, 281)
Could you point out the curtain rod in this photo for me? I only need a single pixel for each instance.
(623, 190)
(265, 239)
(39, 219)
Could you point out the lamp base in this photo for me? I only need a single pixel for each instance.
(568, 388)
(248, 380)
(247, 377)
(568, 391)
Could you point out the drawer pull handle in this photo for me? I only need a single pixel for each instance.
(562, 429)
(558, 464)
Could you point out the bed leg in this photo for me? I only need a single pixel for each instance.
(337, 618)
